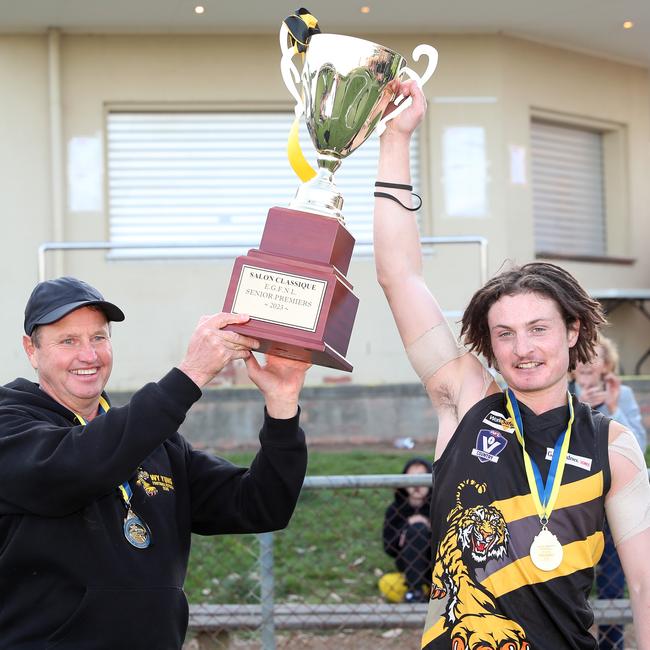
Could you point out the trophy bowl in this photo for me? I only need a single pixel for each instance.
(347, 84)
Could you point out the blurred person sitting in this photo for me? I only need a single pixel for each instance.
(598, 385)
(407, 538)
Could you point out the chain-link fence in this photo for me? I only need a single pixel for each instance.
(610, 585)
(346, 573)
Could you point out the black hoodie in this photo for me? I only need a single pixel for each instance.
(68, 577)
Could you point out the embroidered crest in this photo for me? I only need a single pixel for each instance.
(144, 482)
(153, 483)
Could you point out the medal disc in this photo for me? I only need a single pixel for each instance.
(546, 551)
(136, 531)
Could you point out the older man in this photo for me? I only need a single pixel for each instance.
(97, 504)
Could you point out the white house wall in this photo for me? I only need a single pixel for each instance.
(487, 81)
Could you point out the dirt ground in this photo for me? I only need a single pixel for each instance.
(405, 639)
(408, 639)
(352, 640)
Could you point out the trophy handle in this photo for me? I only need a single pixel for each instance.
(290, 74)
(399, 102)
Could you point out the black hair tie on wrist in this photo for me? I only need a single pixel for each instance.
(398, 186)
(395, 186)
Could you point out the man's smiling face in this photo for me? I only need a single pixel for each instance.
(530, 341)
(73, 358)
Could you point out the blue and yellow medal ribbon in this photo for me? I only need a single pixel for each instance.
(124, 489)
(126, 492)
(136, 531)
(103, 408)
(544, 495)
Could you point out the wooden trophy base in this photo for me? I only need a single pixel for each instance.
(295, 290)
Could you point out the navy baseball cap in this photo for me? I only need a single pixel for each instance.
(53, 299)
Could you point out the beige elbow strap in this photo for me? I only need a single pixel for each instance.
(435, 348)
(628, 511)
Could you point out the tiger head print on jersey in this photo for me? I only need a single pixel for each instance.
(474, 536)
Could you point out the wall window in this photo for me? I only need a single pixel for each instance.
(579, 188)
(568, 190)
(180, 177)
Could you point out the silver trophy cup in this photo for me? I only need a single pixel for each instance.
(346, 87)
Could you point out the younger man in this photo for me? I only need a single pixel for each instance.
(522, 478)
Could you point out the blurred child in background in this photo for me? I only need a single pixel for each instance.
(407, 536)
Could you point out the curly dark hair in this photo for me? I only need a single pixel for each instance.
(546, 280)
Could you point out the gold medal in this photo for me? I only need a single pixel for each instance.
(546, 551)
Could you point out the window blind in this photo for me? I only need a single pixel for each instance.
(185, 177)
(568, 190)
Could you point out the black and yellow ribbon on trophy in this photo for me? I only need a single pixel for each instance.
(301, 26)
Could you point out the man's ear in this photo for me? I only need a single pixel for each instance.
(573, 332)
(30, 350)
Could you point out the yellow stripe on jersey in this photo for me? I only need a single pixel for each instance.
(578, 492)
(434, 632)
(571, 494)
(582, 554)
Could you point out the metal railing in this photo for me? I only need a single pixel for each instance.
(44, 248)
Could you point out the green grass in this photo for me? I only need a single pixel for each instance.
(333, 544)
(332, 547)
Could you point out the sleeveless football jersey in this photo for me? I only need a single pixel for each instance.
(484, 585)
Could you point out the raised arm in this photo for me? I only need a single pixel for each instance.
(398, 256)
(454, 381)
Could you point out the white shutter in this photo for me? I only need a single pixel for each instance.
(568, 190)
(211, 177)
